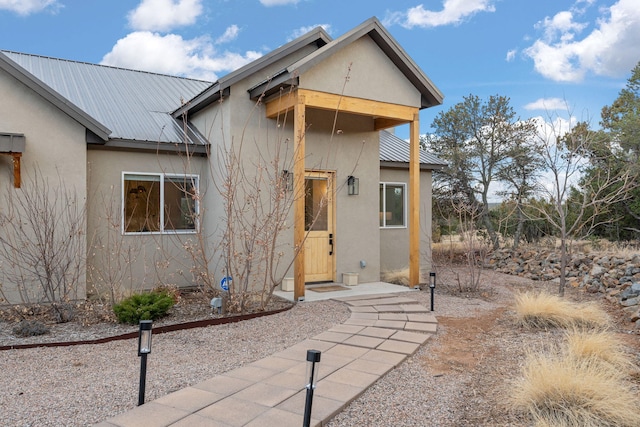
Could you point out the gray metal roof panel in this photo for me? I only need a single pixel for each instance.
(51, 95)
(318, 36)
(396, 150)
(135, 105)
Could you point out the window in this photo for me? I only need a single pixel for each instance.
(145, 194)
(392, 205)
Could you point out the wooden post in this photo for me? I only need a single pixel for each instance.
(414, 203)
(16, 169)
(299, 129)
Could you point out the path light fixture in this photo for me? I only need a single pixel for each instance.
(353, 186)
(432, 285)
(144, 348)
(313, 357)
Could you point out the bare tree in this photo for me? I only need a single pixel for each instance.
(42, 243)
(579, 200)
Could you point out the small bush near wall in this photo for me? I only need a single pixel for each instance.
(147, 306)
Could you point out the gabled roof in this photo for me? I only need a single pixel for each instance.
(430, 94)
(67, 106)
(316, 37)
(394, 152)
(114, 103)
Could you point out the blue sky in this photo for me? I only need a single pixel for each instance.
(543, 54)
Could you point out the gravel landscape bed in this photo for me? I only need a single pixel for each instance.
(458, 378)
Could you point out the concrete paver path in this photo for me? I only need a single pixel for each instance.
(381, 333)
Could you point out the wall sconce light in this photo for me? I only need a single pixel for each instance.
(287, 178)
(313, 357)
(144, 348)
(353, 185)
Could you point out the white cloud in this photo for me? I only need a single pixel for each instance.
(171, 54)
(610, 49)
(27, 7)
(164, 15)
(511, 55)
(453, 12)
(270, 3)
(304, 30)
(548, 104)
(230, 34)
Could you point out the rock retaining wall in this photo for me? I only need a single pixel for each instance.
(616, 276)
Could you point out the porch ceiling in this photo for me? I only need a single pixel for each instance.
(385, 114)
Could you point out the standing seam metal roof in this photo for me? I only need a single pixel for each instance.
(396, 150)
(134, 105)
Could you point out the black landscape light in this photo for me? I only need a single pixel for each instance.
(144, 348)
(313, 357)
(432, 285)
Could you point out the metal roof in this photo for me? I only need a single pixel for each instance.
(317, 37)
(394, 151)
(134, 105)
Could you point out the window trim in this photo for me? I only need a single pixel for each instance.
(161, 176)
(404, 204)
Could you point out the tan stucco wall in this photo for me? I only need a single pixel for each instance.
(55, 147)
(394, 246)
(350, 147)
(136, 261)
(371, 75)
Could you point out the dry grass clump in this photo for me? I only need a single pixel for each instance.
(398, 277)
(563, 390)
(542, 310)
(584, 382)
(600, 346)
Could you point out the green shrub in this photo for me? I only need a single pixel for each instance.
(147, 306)
(30, 328)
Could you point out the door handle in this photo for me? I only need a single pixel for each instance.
(331, 244)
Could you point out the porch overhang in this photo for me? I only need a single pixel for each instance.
(385, 115)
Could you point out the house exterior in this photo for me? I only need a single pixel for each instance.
(150, 154)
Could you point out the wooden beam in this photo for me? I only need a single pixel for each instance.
(414, 203)
(365, 107)
(280, 105)
(299, 129)
(385, 123)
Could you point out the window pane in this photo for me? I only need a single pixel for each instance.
(141, 203)
(394, 205)
(315, 205)
(180, 203)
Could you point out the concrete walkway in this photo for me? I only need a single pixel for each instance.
(381, 333)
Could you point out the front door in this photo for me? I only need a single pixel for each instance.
(319, 245)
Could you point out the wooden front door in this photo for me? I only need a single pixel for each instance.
(319, 245)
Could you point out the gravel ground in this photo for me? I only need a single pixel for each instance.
(456, 379)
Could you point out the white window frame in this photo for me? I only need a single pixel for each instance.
(404, 205)
(161, 175)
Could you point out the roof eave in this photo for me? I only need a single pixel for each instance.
(405, 165)
(318, 36)
(431, 95)
(42, 89)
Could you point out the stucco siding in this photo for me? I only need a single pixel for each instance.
(131, 262)
(394, 242)
(371, 75)
(55, 150)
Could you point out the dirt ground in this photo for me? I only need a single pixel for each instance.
(486, 349)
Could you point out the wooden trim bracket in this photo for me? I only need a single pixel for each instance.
(16, 168)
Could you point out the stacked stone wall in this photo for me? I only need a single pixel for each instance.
(616, 276)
